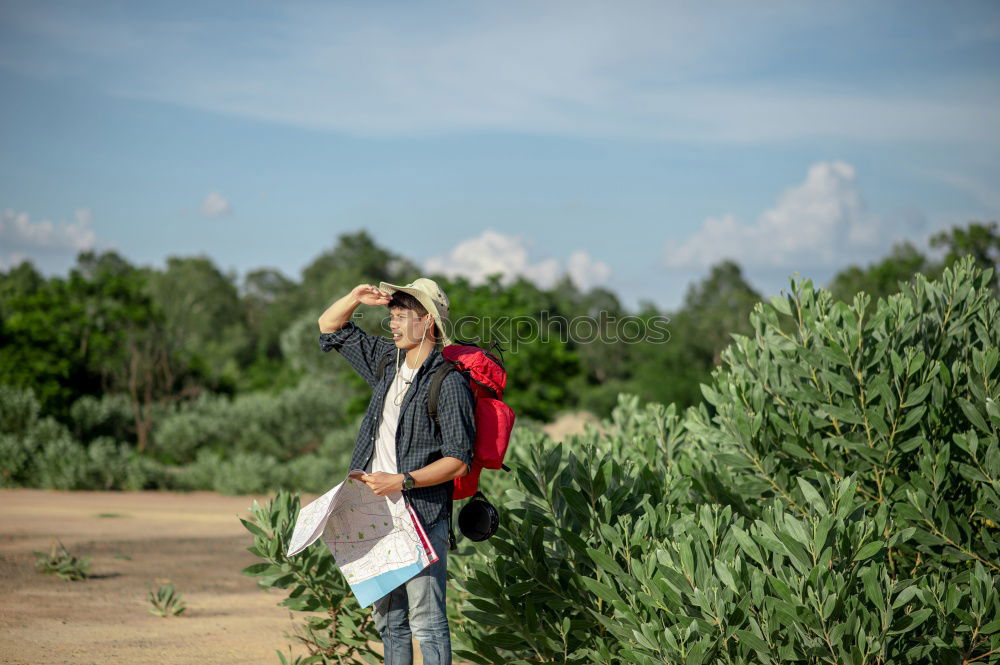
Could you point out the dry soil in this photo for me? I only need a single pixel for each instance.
(136, 540)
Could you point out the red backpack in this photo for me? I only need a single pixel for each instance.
(494, 419)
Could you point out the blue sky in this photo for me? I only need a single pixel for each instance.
(630, 144)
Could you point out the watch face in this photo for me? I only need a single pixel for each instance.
(407, 481)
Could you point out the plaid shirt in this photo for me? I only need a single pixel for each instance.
(419, 440)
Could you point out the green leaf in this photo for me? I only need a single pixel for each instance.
(919, 395)
(752, 641)
(601, 590)
(253, 528)
(487, 618)
(910, 621)
(869, 550)
(873, 587)
(503, 640)
(842, 414)
(725, 575)
(972, 413)
(747, 544)
(905, 596)
(605, 562)
(259, 569)
(913, 416)
(781, 304)
(812, 496)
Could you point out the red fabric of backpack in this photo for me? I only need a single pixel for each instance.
(494, 419)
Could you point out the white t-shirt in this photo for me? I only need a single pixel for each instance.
(384, 458)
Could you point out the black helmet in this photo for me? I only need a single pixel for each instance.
(478, 519)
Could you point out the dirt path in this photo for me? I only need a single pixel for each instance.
(136, 540)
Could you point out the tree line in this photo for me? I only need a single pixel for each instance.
(177, 372)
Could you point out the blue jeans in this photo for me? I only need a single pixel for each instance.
(417, 608)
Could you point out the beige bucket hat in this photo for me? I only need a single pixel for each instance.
(429, 294)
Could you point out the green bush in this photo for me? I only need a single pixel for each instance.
(836, 501)
(13, 458)
(313, 474)
(283, 425)
(342, 632)
(255, 473)
(19, 409)
(42, 452)
(59, 461)
(109, 415)
(109, 464)
(906, 400)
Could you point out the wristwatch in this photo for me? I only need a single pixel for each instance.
(408, 481)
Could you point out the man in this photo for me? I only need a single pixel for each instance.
(402, 450)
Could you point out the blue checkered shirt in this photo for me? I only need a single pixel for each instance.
(419, 440)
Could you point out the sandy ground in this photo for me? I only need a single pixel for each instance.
(136, 540)
(571, 422)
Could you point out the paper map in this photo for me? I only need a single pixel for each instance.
(377, 541)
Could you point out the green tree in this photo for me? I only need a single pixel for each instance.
(59, 336)
(20, 280)
(882, 278)
(355, 259)
(202, 314)
(978, 240)
(718, 307)
(671, 371)
(539, 359)
(271, 302)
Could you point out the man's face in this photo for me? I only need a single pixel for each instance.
(408, 328)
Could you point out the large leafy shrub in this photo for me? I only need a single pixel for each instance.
(253, 472)
(108, 415)
(336, 629)
(292, 422)
(42, 452)
(835, 501)
(906, 400)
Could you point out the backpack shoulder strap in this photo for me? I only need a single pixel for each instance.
(383, 362)
(435, 389)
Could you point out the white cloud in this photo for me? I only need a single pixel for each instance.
(23, 238)
(585, 271)
(215, 205)
(491, 252)
(820, 222)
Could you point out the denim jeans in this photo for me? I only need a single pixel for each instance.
(417, 608)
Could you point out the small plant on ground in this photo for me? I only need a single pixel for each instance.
(166, 602)
(60, 562)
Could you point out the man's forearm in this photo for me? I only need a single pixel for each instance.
(435, 473)
(439, 471)
(338, 313)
